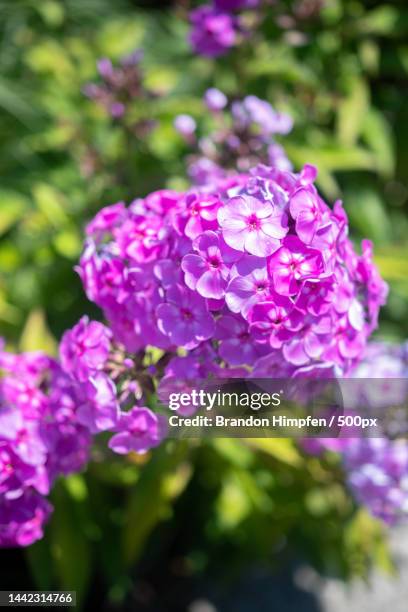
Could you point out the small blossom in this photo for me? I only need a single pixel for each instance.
(185, 318)
(185, 125)
(215, 99)
(138, 431)
(292, 264)
(251, 225)
(207, 271)
(213, 32)
(85, 348)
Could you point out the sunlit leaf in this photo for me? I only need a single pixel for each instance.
(281, 449)
(12, 208)
(351, 111)
(377, 134)
(36, 335)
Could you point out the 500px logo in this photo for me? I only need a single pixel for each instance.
(209, 400)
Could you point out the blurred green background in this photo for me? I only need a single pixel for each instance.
(340, 68)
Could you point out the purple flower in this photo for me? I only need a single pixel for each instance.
(253, 110)
(98, 407)
(249, 286)
(310, 345)
(184, 318)
(275, 321)
(185, 125)
(106, 220)
(40, 439)
(208, 271)
(215, 99)
(305, 209)
(277, 157)
(105, 68)
(236, 345)
(292, 264)
(213, 32)
(250, 225)
(377, 472)
(143, 238)
(85, 348)
(200, 214)
(138, 431)
(171, 263)
(22, 520)
(233, 5)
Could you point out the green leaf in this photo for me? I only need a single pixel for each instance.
(331, 159)
(234, 451)
(51, 203)
(121, 35)
(68, 243)
(14, 101)
(51, 11)
(284, 68)
(365, 540)
(282, 449)
(377, 134)
(351, 111)
(50, 57)
(393, 265)
(41, 564)
(161, 480)
(12, 208)
(36, 335)
(233, 504)
(367, 212)
(69, 545)
(381, 21)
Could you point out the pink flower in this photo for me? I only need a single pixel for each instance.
(138, 431)
(106, 220)
(292, 264)
(308, 346)
(200, 214)
(208, 271)
(250, 225)
(98, 408)
(213, 32)
(85, 348)
(184, 318)
(143, 238)
(275, 321)
(305, 208)
(250, 285)
(236, 343)
(317, 298)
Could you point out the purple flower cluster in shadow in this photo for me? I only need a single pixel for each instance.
(119, 84)
(377, 467)
(41, 438)
(49, 413)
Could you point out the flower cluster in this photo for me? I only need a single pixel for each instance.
(120, 84)
(108, 388)
(243, 135)
(41, 437)
(377, 472)
(217, 27)
(377, 468)
(254, 271)
(50, 410)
